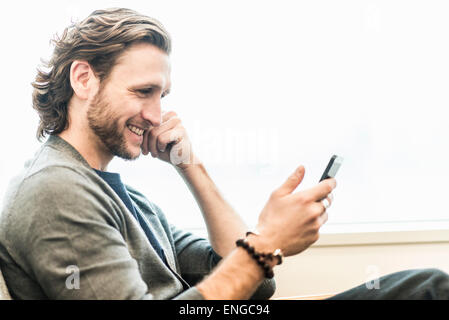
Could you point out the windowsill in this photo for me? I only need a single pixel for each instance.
(384, 233)
(390, 233)
(382, 238)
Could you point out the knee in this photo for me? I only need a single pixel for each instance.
(435, 273)
(435, 284)
(434, 278)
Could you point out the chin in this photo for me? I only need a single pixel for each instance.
(133, 154)
(127, 153)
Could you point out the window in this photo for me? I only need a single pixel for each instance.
(265, 86)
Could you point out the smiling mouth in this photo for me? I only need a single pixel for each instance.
(136, 130)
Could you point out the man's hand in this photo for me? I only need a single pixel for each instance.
(169, 141)
(291, 221)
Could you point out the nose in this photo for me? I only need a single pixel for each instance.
(152, 112)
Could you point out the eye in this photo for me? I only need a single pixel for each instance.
(145, 92)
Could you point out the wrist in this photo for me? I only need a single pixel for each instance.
(260, 243)
(261, 252)
(263, 245)
(187, 166)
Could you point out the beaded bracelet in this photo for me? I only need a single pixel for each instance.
(261, 258)
(277, 253)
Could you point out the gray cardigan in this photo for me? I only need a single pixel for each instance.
(65, 234)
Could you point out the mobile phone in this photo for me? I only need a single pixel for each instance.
(332, 167)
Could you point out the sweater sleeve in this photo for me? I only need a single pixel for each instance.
(197, 258)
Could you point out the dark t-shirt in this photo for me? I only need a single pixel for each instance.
(114, 181)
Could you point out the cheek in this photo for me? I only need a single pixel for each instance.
(124, 110)
(124, 107)
(132, 112)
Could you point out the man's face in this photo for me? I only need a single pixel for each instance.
(129, 102)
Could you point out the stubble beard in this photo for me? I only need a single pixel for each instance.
(105, 126)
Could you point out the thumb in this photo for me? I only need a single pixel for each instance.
(292, 182)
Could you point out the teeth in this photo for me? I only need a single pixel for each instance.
(136, 130)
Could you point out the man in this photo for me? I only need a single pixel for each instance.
(102, 98)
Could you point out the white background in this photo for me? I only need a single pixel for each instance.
(263, 87)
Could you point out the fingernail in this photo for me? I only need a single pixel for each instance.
(298, 172)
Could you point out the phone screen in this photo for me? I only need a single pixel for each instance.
(332, 167)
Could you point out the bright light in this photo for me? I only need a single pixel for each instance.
(263, 87)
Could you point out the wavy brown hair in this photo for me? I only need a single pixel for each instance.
(99, 39)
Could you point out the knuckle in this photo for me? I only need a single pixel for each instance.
(301, 198)
(161, 146)
(163, 139)
(172, 114)
(306, 198)
(173, 134)
(316, 226)
(274, 195)
(317, 211)
(176, 121)
(152, 133)
(313, 238)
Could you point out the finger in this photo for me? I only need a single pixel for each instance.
(330, 198)
(323, 218)
(155, 132)
(151, 141)
(144, 146)
(292, 182)
(167, 115)
(326, 202)
(321, 190)
(171, 136)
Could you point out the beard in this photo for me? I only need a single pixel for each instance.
(104, 124)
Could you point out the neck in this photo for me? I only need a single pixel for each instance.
(89, 146)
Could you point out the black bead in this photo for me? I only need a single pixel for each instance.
(260, 258)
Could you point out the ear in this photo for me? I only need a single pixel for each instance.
(83, 80)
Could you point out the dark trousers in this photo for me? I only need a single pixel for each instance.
(422, 284)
